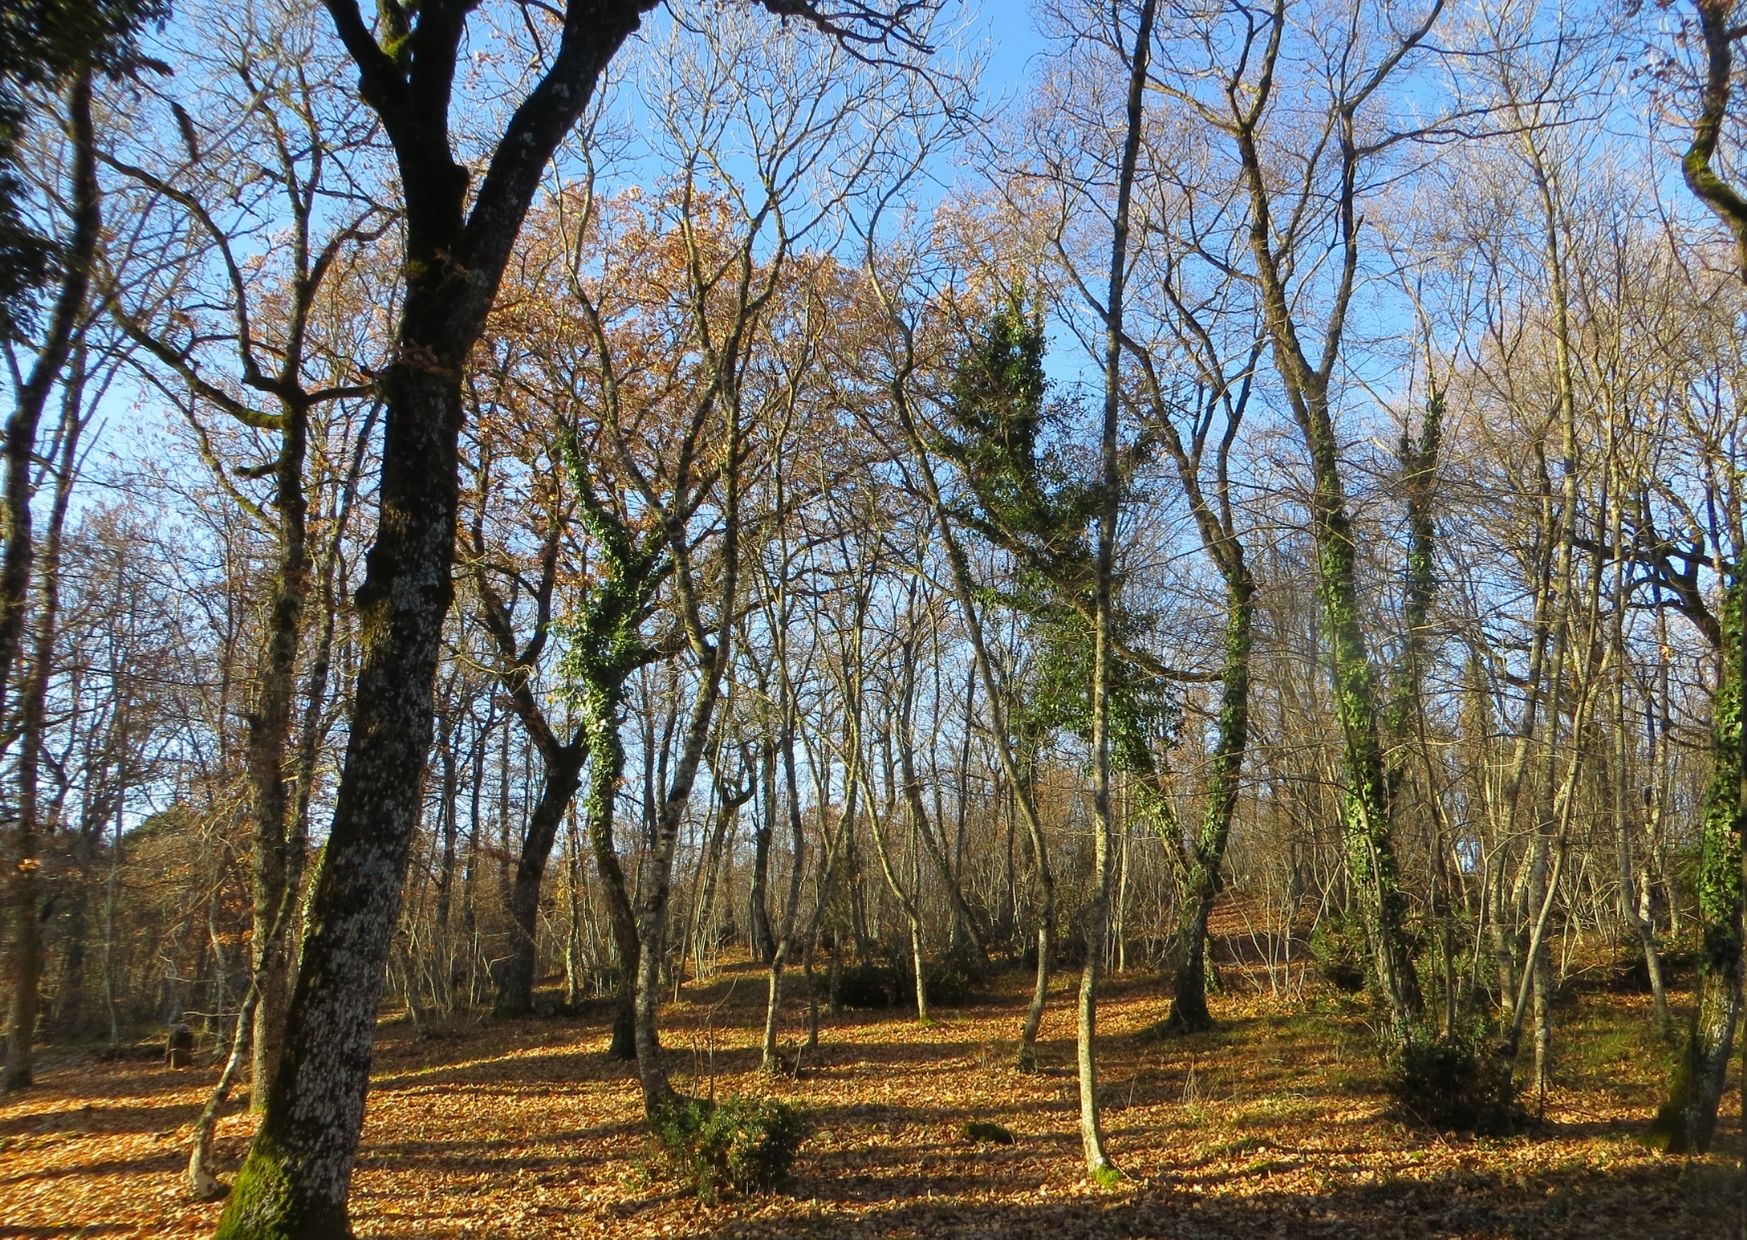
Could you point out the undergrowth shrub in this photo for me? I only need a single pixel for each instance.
(1453, 1082)
(737, 1143)
(1337, 944)
(870, 985)
(954, 978)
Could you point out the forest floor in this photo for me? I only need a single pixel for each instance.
(1273, 1125)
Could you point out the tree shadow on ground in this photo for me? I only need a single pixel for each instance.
(1688, 1201)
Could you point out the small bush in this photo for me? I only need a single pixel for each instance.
(953, 979)
(1337, 944)
(1455, 1082)
(870, 986)
(744, 1144)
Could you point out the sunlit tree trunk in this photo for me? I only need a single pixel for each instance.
(299, 1167)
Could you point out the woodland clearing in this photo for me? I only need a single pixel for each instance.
(1274, 1124)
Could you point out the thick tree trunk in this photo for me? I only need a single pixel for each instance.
(299, 1167)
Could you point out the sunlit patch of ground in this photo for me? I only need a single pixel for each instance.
(1271, 1125)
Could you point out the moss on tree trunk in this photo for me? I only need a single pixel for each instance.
(1688, 1119)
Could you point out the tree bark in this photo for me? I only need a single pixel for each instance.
(1189, 993)
(16, 562)
(606, 767)
(269, 738)
(1097, 912)
(515, 980)
(1687, 1120)
(299, 1167)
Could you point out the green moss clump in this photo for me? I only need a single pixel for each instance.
(265, 1205)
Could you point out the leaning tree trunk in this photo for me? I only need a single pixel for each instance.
(515, 974)
(300, 1165)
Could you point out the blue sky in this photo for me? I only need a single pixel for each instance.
(1010, 32)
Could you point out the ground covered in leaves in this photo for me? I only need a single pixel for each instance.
(1275, 1124)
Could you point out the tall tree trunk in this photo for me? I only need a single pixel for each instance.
(601, 708)
(1688, 1119)
(1097, 912)
(299, 1167)
(270, 722)
(1367, 827)
(1366, 811)
(16, 562)
(1189, 994)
